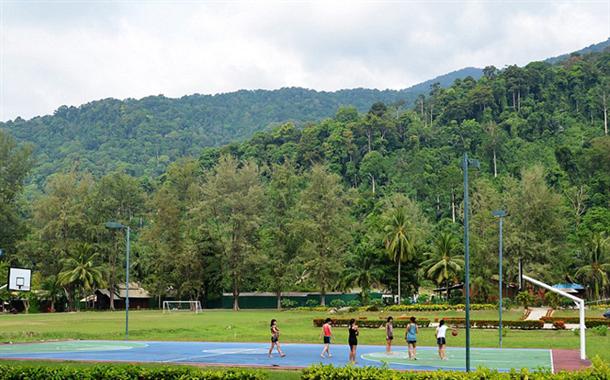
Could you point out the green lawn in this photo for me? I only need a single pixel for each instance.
(252, 326)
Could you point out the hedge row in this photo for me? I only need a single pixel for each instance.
(372, 323)
(441, 307)
(589, 322)
(599, 371)
(494, 324)
(129, 372)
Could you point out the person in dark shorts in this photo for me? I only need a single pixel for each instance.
(411, 336)
(389, 335)
(327, 333)
(275, 338)
(441, 341)
(352, 340)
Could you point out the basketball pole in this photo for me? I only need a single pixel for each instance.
(581, 312)
(465, 164)
(500, 214)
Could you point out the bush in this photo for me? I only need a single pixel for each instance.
(524, 299)
(552, 299)
(287, 303)
(373, 323)
(600, 330)
(599, 370)
(337, 303)
(559, 325)
(589, 322)
(494, 324)
(439, 307)
(354, 303)
(124, 372)
(312, 303)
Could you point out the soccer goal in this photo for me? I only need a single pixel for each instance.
(175, 306)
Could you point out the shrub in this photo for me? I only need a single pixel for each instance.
(373, 323)
(559, 325)
(354, 303)
(287, 303)
(337, 303)
(599, 370)
(600, 330)
(589, 322)
(312, 303)
(524, 299)
(494, 324)
(124, 372)
(439, 307)
(552, 299)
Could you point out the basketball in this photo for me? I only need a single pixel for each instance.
(454, 332)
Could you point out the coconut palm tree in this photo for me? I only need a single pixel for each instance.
(399, 240)
(80, 273)
(363, 272)
(443, 264)
(596, 255)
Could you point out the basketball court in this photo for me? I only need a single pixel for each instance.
(255, 355)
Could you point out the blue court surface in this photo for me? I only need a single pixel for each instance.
(255, 355)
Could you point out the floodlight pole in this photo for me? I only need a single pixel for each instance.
(127, 288)
(465, 164)
(500, 214)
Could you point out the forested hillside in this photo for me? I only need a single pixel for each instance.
(144, 136)
(338, 203)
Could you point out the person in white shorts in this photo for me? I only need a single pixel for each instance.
(441, 341)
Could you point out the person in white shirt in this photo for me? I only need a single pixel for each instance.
(441, 332)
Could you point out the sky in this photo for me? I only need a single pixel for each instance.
(55, 53)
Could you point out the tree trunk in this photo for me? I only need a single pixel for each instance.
(235, 292)
(495, 165)
(514, 101)
(519, 101)
(279, 299)
(447, 286)
(453, 206)
(399, 282)
(323, 297)
(369, 137)
(604, 100)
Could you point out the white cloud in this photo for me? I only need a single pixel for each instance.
(56, 53)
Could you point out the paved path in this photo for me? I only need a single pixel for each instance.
(536, 313)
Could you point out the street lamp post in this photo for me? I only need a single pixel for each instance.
(500, 214)
(119, 226)
(465, 163)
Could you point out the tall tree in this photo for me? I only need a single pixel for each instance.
(324, 224)
(15, 163)
(404, 229)
(233, 200)
(445, 263)
(595, 258)
(279, 240)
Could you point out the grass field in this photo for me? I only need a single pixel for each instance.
(252, 326)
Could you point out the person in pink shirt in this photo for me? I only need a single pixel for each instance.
(326, 333)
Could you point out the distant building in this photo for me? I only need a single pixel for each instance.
(139, 298)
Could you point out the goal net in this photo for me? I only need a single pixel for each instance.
(176, 306)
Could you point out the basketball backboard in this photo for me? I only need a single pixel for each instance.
(19, 279)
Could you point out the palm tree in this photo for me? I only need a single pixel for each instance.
(361, 272)
(595, 254)
(80, 272)
(443, 264)
(399, 241)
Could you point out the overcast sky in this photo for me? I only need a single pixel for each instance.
(54, 53)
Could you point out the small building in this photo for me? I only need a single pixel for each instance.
(572, 288)
(139, 298)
